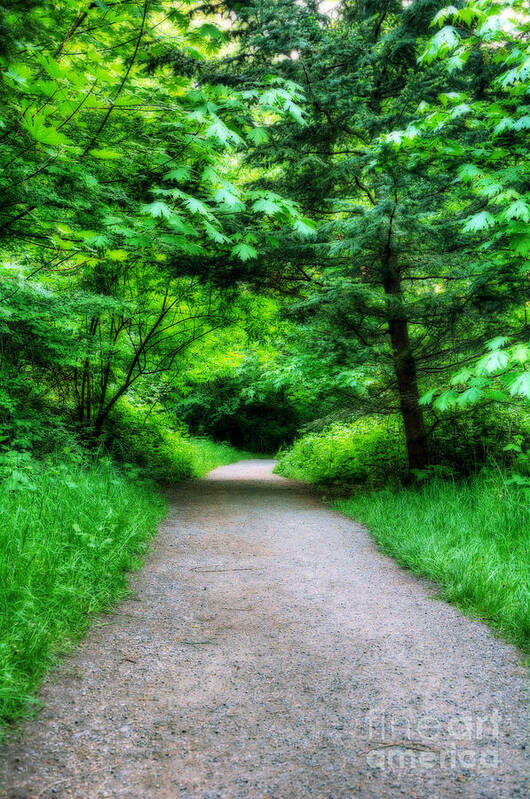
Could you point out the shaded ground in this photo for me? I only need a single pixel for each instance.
(271, 652)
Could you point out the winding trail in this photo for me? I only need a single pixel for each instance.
(271, 652)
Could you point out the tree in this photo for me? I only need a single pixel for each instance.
(391, 283)
(494, 165)
(118, 175)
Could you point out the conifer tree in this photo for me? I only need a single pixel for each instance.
(390, 283)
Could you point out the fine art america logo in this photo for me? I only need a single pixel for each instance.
(458, 742)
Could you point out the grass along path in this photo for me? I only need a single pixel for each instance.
(473, 539)
(270, 650)
(208, 455)
(69, 533)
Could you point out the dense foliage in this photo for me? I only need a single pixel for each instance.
(404, 278)
(167, 167)
(68, 533)
(251, 406)
(259, 224)
(118, 174)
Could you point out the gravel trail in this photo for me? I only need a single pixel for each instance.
(270, 651)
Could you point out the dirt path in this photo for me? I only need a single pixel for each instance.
(272, 653)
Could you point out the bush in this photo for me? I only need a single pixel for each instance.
(373, 453)
(208, 455)
(165, 453)
(465, 441)
(366, 452)
(70, 530)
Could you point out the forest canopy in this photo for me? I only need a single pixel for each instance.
(313, 213)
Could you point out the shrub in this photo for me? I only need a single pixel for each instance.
(372, 452)
(208, 455)
(465, 441)
(165, 452)
(366, 452)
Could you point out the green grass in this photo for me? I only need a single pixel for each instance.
(163, 452)
(208, 455)
(472, 538)
(69, 533)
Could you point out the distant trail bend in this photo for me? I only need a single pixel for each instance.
(271, 652)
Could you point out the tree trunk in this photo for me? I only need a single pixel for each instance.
(405, 368)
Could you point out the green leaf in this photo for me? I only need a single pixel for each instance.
(218, 130)
(506, 123)
(245, 252)
(480, 221)
(441, 44)
(521, 244)
(258, 136)
(195, 206)
(97, 240)
(518, 210)
(45, 134)
(446, 400)
(461, 377)
(447, 98)
(427, 398)
(266, 206)
(19, 72)
(210, 31)
(443, 14)
(493, 362)
(180, 226)
(460, 110)
(180, 173)
(512, 448)
(227, 196)
(520, 385)
(468, 172)
(497, 342)
(305, 227)
(157, 209)
(523, 123)
(520, 353)
(215, 234)
(106, 154)
(470, 396)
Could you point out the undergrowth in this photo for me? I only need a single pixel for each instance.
(69, 533)
(472, 538)
(208, 455)
(371, 451)
(367, 452)
(162, 447)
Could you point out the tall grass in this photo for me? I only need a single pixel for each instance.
(164, 451)
(69, 533)
(472, 538)
(208, 455)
